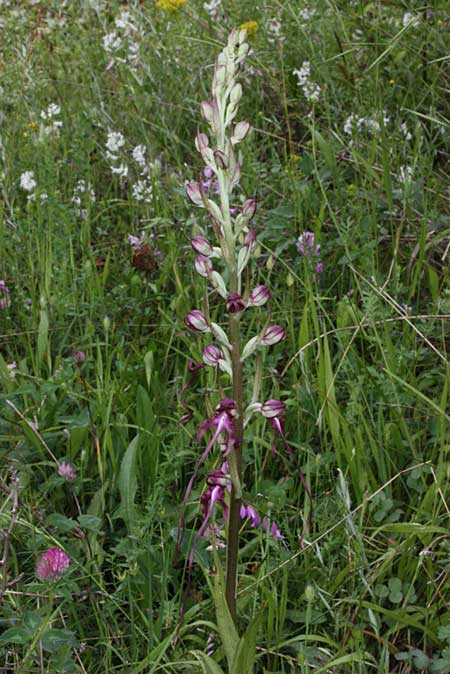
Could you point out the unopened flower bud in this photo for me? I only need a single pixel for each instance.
(194, 193)
(272, 335)
(212, 355)
(201, 141)
(202, 246)
(235, 303)
(259, 296)
(236, 93)
(203, 265)
(221, 159)
(196, 321)
(272, 408)
(207, 110)
(249, 209)
(250, 240)
(240, 131)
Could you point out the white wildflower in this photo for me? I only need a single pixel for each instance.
(306, 14)
(405, 175)
(142, 191)
(123, 23)
(114, 142)
(112, 42)
(407, 135)
(310, 89)
(121, 171)
(409, 17)
(274, 28)
(27, 181)
(52, 111)
(139, 155)
(212, 7)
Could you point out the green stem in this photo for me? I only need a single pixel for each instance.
(235, 460)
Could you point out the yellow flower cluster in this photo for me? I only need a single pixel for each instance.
(170, 4)
(250, 26)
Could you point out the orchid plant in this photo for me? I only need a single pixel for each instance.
(226, 264)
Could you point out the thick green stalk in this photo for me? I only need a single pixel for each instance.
(235, 461)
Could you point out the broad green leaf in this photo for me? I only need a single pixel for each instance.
(54, 639)
(60, 522)
(246, 650)
(225, 624)
(16, 635)
(128, 484)
(42, 340)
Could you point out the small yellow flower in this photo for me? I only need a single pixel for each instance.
(391, 81)
(250, 26)
(33, 125)
(294, 158)
(170, 4)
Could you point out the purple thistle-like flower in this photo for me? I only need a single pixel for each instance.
(235, 303)
(319, 267)
(272, 335)
(259, 296)
(67, 472)
(52, 564)
(203, 266)
(201, 245)
(212, 355)
(196, 321)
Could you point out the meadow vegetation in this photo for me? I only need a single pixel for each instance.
(348, 150)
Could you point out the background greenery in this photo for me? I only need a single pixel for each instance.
(364, 369)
